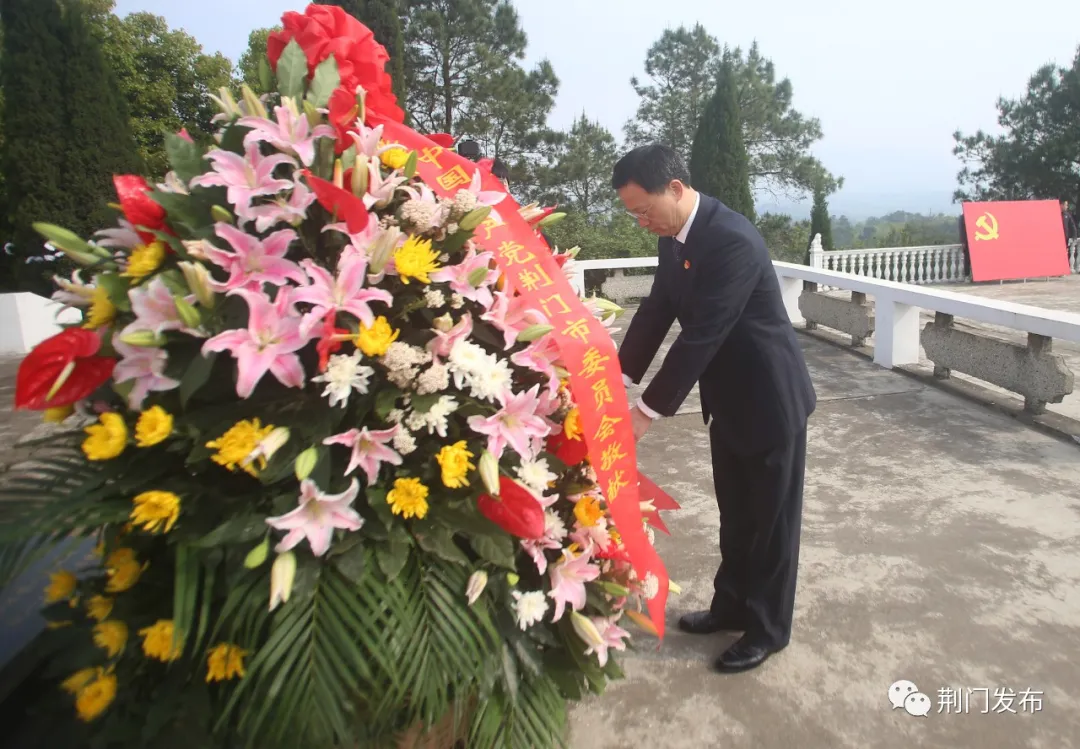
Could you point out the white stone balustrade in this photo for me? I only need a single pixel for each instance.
(28, 319)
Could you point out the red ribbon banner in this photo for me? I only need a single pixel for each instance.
(587, 350)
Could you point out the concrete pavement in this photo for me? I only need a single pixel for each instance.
(940, 545)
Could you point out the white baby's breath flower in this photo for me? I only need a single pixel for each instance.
(435, 298)
(404, 442)
(344, 374)
(396, 416)
(529, 608)
(457, 301)
(435, 379)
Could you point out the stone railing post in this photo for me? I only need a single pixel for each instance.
(817, 253)
(942, 320)
(896, 333)
(809, 287)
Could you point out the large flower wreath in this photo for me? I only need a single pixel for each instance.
(329, 435)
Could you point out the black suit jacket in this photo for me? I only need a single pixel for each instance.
(737, 341)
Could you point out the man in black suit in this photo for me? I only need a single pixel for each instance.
(737, 343)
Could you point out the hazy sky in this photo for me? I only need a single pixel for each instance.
(890, 82)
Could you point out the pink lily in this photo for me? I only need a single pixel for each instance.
(427, 205)
(554, 533)
(512, 315)
(291, 210)
(316, 518)
(540, 356)
(155, 309)
(381, 189)
(611, 636)
(291, 133)
(254, 261)
(443, 343)
(369, 450)
(346, 293)
(270, 342)
(485, 197)
(366, 139)
(146, 366)
(246, 178)
(568, 578)
(458, 277)
(516, 425)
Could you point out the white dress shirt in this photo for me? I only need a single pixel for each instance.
(681, 239)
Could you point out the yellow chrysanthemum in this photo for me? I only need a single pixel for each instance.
(95, 696)
(58, 414)
(158, 641)
(101, 311)
(123, 569)
(107, 438)
(237, 443)
(225, 662)
(78, 680)
(572, 424)
(416, 259)
(374, 341)
(395, 158)
(153, 427)
(587, 511)
(99, 607)
(156, 511)
(61, 586)
(454, 461)
(408, 498)
(144, 260)
(111, 636)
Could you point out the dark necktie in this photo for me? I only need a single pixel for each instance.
(677, 246)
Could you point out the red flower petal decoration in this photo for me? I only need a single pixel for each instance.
(446, 140)
(569, 451)
(339, 202)
(69, 357)
(139, 208)
(344, 109)
(515, 510)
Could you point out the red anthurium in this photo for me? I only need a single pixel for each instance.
(446, 140)
(340, 202)
(185, 135)
(516, 510)
(68, 364)
(569, 451)
(139, 208)
(344, 109)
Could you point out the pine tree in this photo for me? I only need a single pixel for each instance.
(36, 138)
(719, 165)
(820, 223)
(100, 141)
(384, 20)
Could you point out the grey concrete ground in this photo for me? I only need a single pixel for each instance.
(940, 546)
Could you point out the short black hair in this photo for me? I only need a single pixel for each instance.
(651, 167)
(500, 170)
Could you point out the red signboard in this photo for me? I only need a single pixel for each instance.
(1015, 239)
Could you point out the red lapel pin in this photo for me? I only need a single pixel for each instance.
(686, 264)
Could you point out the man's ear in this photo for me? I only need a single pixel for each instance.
(677, 188)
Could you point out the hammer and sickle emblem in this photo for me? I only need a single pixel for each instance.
(989, 226)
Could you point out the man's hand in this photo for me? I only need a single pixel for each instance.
(640, 423)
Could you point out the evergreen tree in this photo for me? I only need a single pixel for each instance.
(719, 165)
(100, 141)
(820, 223)
(384, 20)
(36, 138)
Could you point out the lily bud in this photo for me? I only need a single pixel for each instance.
(550, 220)
(226, 103)
(383, 249)
(339, 174)
(477, 582)
(188, 314)
(198, 280)
(68, 242)
(282, 575)
(606, 305)
(615, 589)
(197, 248)
(361, 103)
(513, 578)
(477, 277)
(674, 587)
(586, 630)
(314, 117)
(143, 339)
(573, 251)
(254, 105)
(305, 463)
(561, 373)
(533, 332)
(258, 555)
(443, 323)
(219, 213)
(488, 467)
(360, 176)
(474, 218)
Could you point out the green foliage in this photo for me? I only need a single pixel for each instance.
(683, 65)
(786, 238)
(820, 223)
(383, 17)
(578, 176)
(254, 58)
(718, 162)
(1038, 154)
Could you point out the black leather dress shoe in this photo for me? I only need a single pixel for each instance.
(706, 623)
(743, 655)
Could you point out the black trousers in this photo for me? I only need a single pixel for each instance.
(760, 498)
